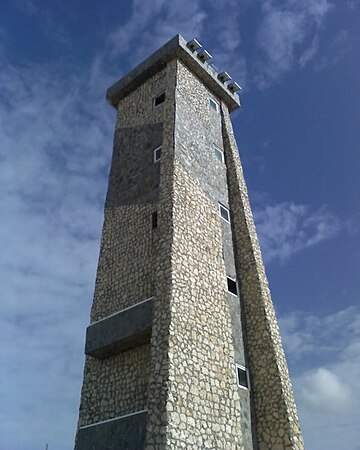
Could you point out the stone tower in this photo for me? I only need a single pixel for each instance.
(183, 349)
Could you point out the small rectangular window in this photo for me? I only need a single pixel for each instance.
(242, 377)
(154, 219)
(159, 99)
(213, 104)
(224, 213)
(157, 154)
(219, 154)
(232, 286)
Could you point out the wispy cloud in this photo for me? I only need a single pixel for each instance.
(283, 35)
(287, 228)
(55, 146)
(336, 51)
(158, 21)
(309, 52)
(352, 4)
(326, 385)
(225, 34)
(324, 390)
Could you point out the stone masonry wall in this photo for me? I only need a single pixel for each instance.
(277, 424)
(203, 406)
(158, 393)
(198, 129)
(125, 271)
(115, 386)
(193, 399)
(119, 385)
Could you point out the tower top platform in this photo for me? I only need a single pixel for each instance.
(179, 48)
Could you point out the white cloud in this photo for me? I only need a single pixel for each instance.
(158, 21)
(352, 4)
(55, 141)
(336, 51)
(323, 390)
(55, 144)
(286, 228)
(283, 34)
(309, 52)
(325, 363)
(299, 341)
(223, 23)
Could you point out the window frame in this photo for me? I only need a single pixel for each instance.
(215, 103)
(217, 150)
(155, 158)
(223, 207)
(236, 285)
(240, 366)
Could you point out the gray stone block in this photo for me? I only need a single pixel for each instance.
(127, 329)
(134, 177)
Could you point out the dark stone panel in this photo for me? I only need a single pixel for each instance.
(245, 406)
(195, 150)
(228, 249)
(235, 312)
(134, 177)
(127, 433)
(127, 329)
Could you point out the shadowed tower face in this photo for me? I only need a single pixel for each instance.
(183, 348)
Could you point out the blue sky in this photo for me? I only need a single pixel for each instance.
(298, 133)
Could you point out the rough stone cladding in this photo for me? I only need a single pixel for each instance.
(115, 386)
(203, 406)
(125, 273)
(203, 184)
(158, 393)
(277, 425)
(126, 270)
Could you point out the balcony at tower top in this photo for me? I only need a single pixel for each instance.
(175, 48)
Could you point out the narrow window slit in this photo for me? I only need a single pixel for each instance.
(159, 99)
(154, 219)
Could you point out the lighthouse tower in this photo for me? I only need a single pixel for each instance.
(183, 348)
